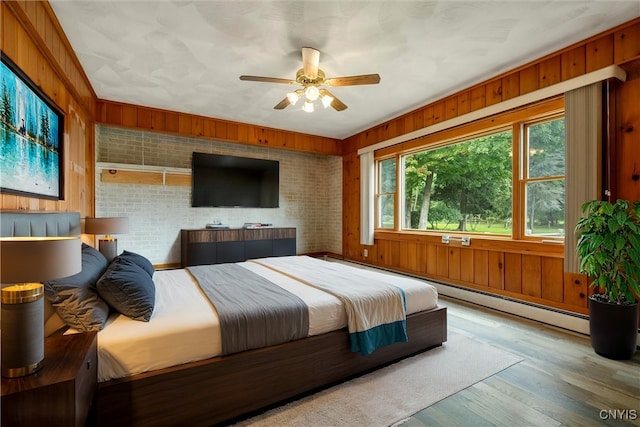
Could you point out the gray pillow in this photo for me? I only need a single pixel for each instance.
(128, 289)
(139, 260)
(75, 297)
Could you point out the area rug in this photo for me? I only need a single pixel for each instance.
(395, 392)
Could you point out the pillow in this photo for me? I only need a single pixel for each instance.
(75, 297)
(139, 260)
(128, 288)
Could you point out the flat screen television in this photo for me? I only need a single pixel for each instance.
(230, 181)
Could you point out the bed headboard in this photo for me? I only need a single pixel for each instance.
(39, 224)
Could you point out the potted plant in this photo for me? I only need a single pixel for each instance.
(609, 252)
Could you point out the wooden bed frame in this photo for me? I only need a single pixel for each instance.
(220, 389)
(224, 388)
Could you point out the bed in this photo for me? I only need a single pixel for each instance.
(174, 369)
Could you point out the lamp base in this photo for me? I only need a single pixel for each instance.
(108, 247)
(22, 329)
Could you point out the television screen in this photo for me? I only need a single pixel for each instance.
(229, 181)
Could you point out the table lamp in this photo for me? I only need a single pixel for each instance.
(24, 262)
(107, 245)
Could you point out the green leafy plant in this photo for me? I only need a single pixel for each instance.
(609, 248)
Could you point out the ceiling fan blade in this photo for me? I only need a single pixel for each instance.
(336, 103)
(267, 79)
(365, 79)
(310, 61)
(282, 104)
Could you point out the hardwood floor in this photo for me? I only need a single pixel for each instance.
(562, 381)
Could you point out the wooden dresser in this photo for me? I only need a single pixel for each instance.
(213, 246)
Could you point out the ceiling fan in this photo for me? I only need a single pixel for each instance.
(313, 82)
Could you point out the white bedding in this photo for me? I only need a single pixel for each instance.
(184, 326)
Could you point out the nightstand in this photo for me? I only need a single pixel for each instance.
(61, 392)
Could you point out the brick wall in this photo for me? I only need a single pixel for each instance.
(310, 194)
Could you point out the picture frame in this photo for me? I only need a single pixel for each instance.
(31, 137)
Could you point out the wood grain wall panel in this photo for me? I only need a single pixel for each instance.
(393, 253)
(510, 86)
(455, 264)
(496, 270)
(451, 108)
(627, 138)
(529, 79)
(442, 264)
(32, 38)
(573, 63)
(481, 267)
(478, 97)
(418, 119)
(575, 289)
(626, 43)
(143, 118)
(513, 272)
(552, 279)
(408, 256)
(599, 53)
(432, 260)
(113, 113)
(549, 72)
(423, 258)
(531, 275)
(493, 92)
(464, 104)
(172, 122)
(427, 115)
(129, 116)
(438, 112)
(157, 120)
(466, 265)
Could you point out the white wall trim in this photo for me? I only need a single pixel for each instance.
(141, 168)
(612, 71)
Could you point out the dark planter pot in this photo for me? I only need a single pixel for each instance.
(613, 328)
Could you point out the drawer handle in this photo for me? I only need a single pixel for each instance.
(88, 364)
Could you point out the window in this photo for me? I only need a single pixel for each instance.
(543, 178)
(386, 193)
(506, 180)
(465, 186)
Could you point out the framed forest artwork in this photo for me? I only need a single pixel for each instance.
(31, 134)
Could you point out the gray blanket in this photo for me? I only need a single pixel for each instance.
(253, 312)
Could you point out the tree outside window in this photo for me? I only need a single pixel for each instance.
(544, 151)
(466, 186)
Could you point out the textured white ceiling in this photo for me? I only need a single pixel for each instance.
(187, 56)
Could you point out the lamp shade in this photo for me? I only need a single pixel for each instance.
(107, 225)
(37, 259)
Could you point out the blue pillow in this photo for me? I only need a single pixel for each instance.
(139, 260)
(76, 299)
(128, 289)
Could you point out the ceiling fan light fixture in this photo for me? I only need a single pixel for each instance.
(308, 107)
(311, 93)
(327, 100)
(293, 98)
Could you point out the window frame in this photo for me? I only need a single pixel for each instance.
(379, 193)
(523, 178)
(542, 111)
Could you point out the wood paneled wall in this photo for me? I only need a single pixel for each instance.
(522, 270)
(33, 39)
(144, 118)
